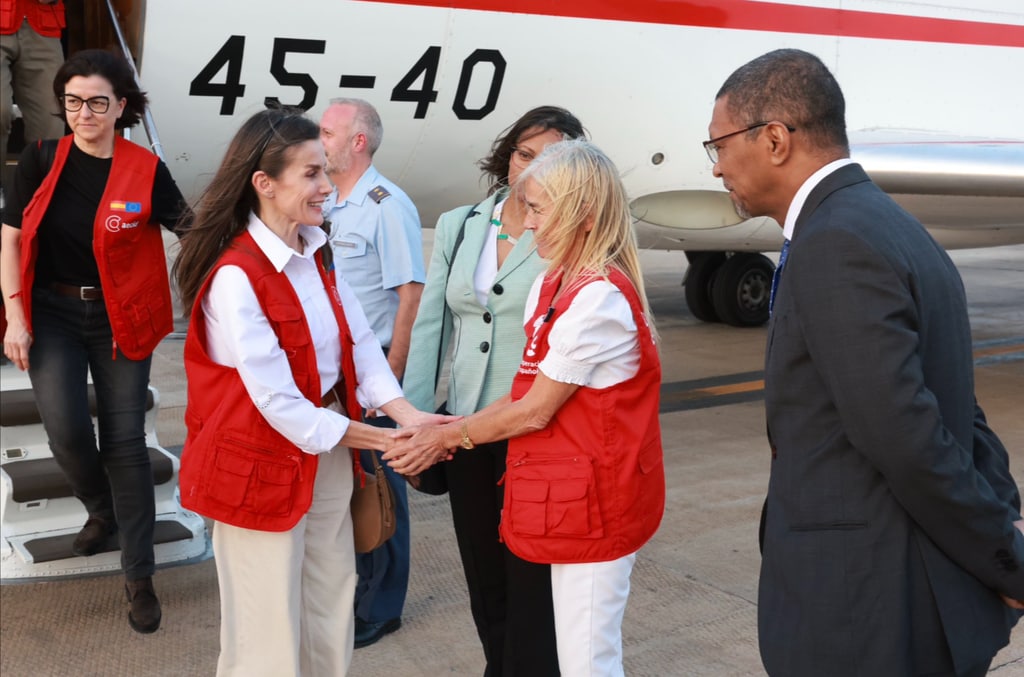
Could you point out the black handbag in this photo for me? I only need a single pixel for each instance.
(434, 480)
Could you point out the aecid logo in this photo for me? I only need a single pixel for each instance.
(114, 224)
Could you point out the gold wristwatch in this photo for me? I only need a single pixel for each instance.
(466, 443)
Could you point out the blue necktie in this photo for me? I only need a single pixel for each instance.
(778, 273)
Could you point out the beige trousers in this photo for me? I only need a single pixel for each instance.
(286, 598)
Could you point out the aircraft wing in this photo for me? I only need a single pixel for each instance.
(968, 192)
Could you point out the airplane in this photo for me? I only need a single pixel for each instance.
(933, 103)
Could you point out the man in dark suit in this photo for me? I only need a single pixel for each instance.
(891, 532)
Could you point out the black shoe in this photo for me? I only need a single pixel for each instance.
(370, 633)
(144, 616)
(93, 536)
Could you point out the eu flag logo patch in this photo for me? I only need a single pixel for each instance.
(122, 206)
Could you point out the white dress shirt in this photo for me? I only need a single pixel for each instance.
(240, 336)
(594, 343)
(797, 205)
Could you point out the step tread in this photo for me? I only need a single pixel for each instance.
(40, 478)
(50, 548)
(18, 407)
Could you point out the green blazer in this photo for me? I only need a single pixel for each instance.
(488, 340)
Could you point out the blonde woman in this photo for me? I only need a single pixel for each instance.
(584, 482)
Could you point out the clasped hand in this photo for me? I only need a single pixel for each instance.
(416, 448)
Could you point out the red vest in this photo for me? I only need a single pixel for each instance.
(129, 250)
(590, 487)
(47, 20)
(235, 467)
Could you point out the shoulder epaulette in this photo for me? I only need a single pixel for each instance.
(379, 194)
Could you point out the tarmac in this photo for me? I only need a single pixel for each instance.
(693, 604)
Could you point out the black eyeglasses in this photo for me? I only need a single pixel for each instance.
(97, 104)
(711, 145)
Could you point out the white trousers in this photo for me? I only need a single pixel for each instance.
(590, 601)
(286, 598)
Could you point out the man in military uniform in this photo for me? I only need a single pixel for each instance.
(377, 243)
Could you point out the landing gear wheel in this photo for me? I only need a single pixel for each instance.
(741, 289)
(699, 278)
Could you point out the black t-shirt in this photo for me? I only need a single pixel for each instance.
(65, 233)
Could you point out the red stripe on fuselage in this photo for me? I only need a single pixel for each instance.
(756, 16)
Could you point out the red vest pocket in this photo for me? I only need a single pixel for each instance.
(553, 497)
(253, 480)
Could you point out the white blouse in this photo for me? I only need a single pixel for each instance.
(594, 343)
(240, 336)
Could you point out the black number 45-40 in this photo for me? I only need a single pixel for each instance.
(416, 86)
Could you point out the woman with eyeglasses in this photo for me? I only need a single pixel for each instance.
(280, 362)
(473, 301)
(85, 287)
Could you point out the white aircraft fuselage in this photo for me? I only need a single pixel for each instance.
(934, 91)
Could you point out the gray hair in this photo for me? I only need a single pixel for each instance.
(367, 121)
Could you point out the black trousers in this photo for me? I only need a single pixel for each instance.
(510, 598)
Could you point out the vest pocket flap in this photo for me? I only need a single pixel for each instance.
(568, 490)
(234, 464)
(289, 324)
(273, 473)
(532, 491)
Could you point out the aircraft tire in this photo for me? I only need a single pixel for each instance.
(741, 289)
(699, 279)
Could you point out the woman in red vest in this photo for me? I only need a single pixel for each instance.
(584, 480)
(84, 279)
(280, 361)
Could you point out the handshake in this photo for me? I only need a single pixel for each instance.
(432, 438)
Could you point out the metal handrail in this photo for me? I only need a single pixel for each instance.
(147, 116)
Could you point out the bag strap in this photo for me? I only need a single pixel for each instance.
(472, 211)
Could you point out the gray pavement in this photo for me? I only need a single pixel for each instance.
(692, 610)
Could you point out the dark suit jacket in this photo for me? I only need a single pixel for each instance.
(890, 505)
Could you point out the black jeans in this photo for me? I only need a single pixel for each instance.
(113, 480)
(510, 598)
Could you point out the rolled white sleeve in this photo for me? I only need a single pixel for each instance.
(594, 342)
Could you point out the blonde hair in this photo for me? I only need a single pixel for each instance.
(589, 227)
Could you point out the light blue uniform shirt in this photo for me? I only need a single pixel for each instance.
(377, 246)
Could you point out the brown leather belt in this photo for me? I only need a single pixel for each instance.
(330, 398)
(81, 293)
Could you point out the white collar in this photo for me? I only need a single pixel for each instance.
(274, 247)
(797, 205)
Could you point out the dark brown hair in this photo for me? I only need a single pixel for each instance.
(114, 69)
(542, 118)
(222, 213)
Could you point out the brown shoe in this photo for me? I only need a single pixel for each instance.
(144, 615)
(93, 536)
